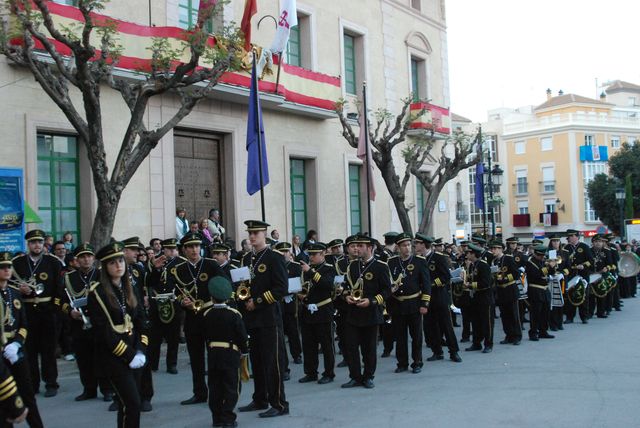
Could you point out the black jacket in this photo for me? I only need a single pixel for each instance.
(415, 289)
(320, 282)
(376, 284)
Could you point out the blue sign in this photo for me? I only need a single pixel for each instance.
(11, 209)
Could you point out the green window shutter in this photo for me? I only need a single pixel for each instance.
(58, 185)
(415, 80)
(419, 200)
(298, 197)
(188, 15)
(294, 53)
(355, 209)
(349, 64)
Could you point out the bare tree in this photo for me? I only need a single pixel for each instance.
(89, 68)
(389, 132)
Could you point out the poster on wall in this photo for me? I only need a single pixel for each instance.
(11, 210)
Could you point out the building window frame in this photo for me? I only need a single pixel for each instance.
(355, 197)
(520, 147)
(360, 55)
(546, 144)
(191, 7)
(523, 207)
(298, 173)
(615, 141)
(294, 48)
(589, 140)
(589, 171)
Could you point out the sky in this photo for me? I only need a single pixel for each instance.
(506, 53)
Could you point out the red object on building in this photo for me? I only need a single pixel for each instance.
(521, 220)
(553, 218)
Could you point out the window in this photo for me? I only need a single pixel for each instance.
(523, 207)
(549, 205)
(631, 140)
(490, 145)
(631, 101)
(419, 200)
(58, 185)
(294, 51)
(615, 141)
(548, 180)
(67, 2)
(350, 64)
(415, 4)
(476, 213)
(521, 182)
(355, 208)
(298, 197)
(188, 15)
(415, 80)
(589, 171)
(520, 147)
(546, 144)
(589, 140)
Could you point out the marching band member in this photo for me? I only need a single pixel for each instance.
(479, 285)
(410, 301)
(316, 315)
(556, 314)
(539, 295)
(507, 293)
(334, 249)
(613, 301)
(579, 262)
(341, 305)
(602, 263)
(118, 318)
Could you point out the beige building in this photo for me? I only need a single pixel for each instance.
(552, 151)
(397, 46)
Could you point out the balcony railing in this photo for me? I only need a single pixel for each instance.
(462, 213)
(556, 120)
(521, 189)
(547, 186)
(521, 220)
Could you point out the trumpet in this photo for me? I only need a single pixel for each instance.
(305, 289)
(37, 288)
(395, 286)
(76, 304)
(163, 297)
(197, 303)
(243, 292)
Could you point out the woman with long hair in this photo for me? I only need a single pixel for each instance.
(117, 319)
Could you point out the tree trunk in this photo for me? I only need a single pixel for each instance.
(395, 191)
(428, 209)
(104, 220)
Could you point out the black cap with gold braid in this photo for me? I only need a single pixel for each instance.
(170, 243)
(282, 247)
(335, 243)
(316, 247)
(219, 247)
(402, 237)
(133, 242)
(256, 225)
(5, 259)
(191, 238)
(83, 249)
(111, 251)
(34, 235)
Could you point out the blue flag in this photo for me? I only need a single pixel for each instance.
(255, 128)
(479, 189)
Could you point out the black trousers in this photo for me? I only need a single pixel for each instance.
(64, 333)
(361, 340)
(290, 323)
(194, 333)
(387, 332)
(510, 316)
(539, 301)
(40, 345)
(583, 310)
(556, 317)
(467, 316)
(20, 373)
(314, 335)
(224, 390)
(167, 331)
(411, 323)
(482, 324)
(84, 347)
(438, 322)
(126, 384)
(264, 346)
(146, 383)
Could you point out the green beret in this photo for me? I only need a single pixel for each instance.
(220, 288)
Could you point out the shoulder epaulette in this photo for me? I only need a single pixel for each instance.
(391, 258)
(94, 285)
(381, 262)
(234, 310)
(329, 265)
(508, 255)
(421, 257)
(295, 262)
(484, 261)
(438, 252)
(16, 258)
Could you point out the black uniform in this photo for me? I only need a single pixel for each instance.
(481, 294)
(11, 403)
(614, 296)
(226, 341)
(341, 308)
(14, 330)
(316, 317)
(164, 314)
(290, 313)
(193, 279)
(83, 336)
(362, 323)
(412, 285)
(507, 297)
(118, 328)
(539, 296)
(41, 315)
(438, 321)
(138, 275)
(577, 255)
(268, 286)
(602, 259)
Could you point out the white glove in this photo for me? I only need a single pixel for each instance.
(288, 298)
(11, 352)
(312, 308)
(138, 361)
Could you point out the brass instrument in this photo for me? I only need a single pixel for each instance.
(76, 304)
(458, 279)
(395, 285)
(305, 289)
(628, 265)
(244, 291)
(357, 290)
(197, 303)
(38, 288)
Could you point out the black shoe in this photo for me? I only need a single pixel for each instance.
(435, 357)
(505, 342)
(516, 342)
(182, 339)
(107, 397)
(546, 336)
(351, 384)
(86, 396)
(487, 350)
(585, 322)
(51, 392)
(474, 348)
(297, 360)
(416, 370)
(401, 369)
(286, 376)
(368, 383)
(145, 406)
(325, 379)
(172, 370)
(194, 400)
(568, 321)
(218, 424)
(230, 424)
(456, 324)
(618, 309)
(273, 412)
(603, 316)
(308, 378)
(463, 340)
(343, 363)
(113, 406)
(533, 338)
(252, 407)
(553, 329)
(560, 327)
(385, 354)
(455, 357)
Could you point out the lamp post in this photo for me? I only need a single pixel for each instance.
(620, 195)
(494, 179)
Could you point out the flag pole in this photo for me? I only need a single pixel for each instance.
(367, 158)
(258, 129)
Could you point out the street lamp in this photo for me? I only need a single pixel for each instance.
(494, 178)
(620, 195)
